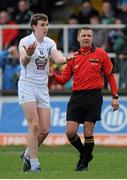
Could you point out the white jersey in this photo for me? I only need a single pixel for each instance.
(36, 71)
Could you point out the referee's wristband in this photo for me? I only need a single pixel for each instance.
(115, 97)
(27, 56)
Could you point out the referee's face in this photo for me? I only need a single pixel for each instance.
(85, 38)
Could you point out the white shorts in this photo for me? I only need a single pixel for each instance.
(31, 93)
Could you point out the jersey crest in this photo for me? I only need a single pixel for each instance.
(41, 62)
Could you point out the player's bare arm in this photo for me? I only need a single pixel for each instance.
(59, 58)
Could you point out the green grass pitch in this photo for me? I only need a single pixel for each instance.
(59, 162)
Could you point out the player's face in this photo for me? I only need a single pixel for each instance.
(41, 28)
(85, 38)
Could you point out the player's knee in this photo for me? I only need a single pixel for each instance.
(34, 127)
(44, 132)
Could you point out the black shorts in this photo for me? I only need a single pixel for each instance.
(85, 106)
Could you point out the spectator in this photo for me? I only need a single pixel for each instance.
(120, 3)
(114, 34)
(23, 17)
(123, 14)
(72, 40)
(101, 38)
(86, 12)
(9, 62)
(120, 47)
(35, 5)
(9, 35)
(72, 32)
(108, 15)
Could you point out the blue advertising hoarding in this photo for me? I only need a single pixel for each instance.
(12, 120)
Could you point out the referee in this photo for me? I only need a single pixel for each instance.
(84, 107)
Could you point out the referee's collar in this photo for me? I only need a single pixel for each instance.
(92, 49)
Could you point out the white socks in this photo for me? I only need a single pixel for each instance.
(34, 164)
(27, 153)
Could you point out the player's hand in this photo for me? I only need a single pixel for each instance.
(72, 56)
(115, 104)
(30, 49)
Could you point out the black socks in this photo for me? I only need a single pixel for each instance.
(88, 147)
(76, 142)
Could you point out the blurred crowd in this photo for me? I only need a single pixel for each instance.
(93, 12)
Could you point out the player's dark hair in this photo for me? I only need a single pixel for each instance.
(36, 17)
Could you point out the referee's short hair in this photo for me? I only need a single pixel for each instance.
(83, 28)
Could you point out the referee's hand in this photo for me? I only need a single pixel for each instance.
(115, 104)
